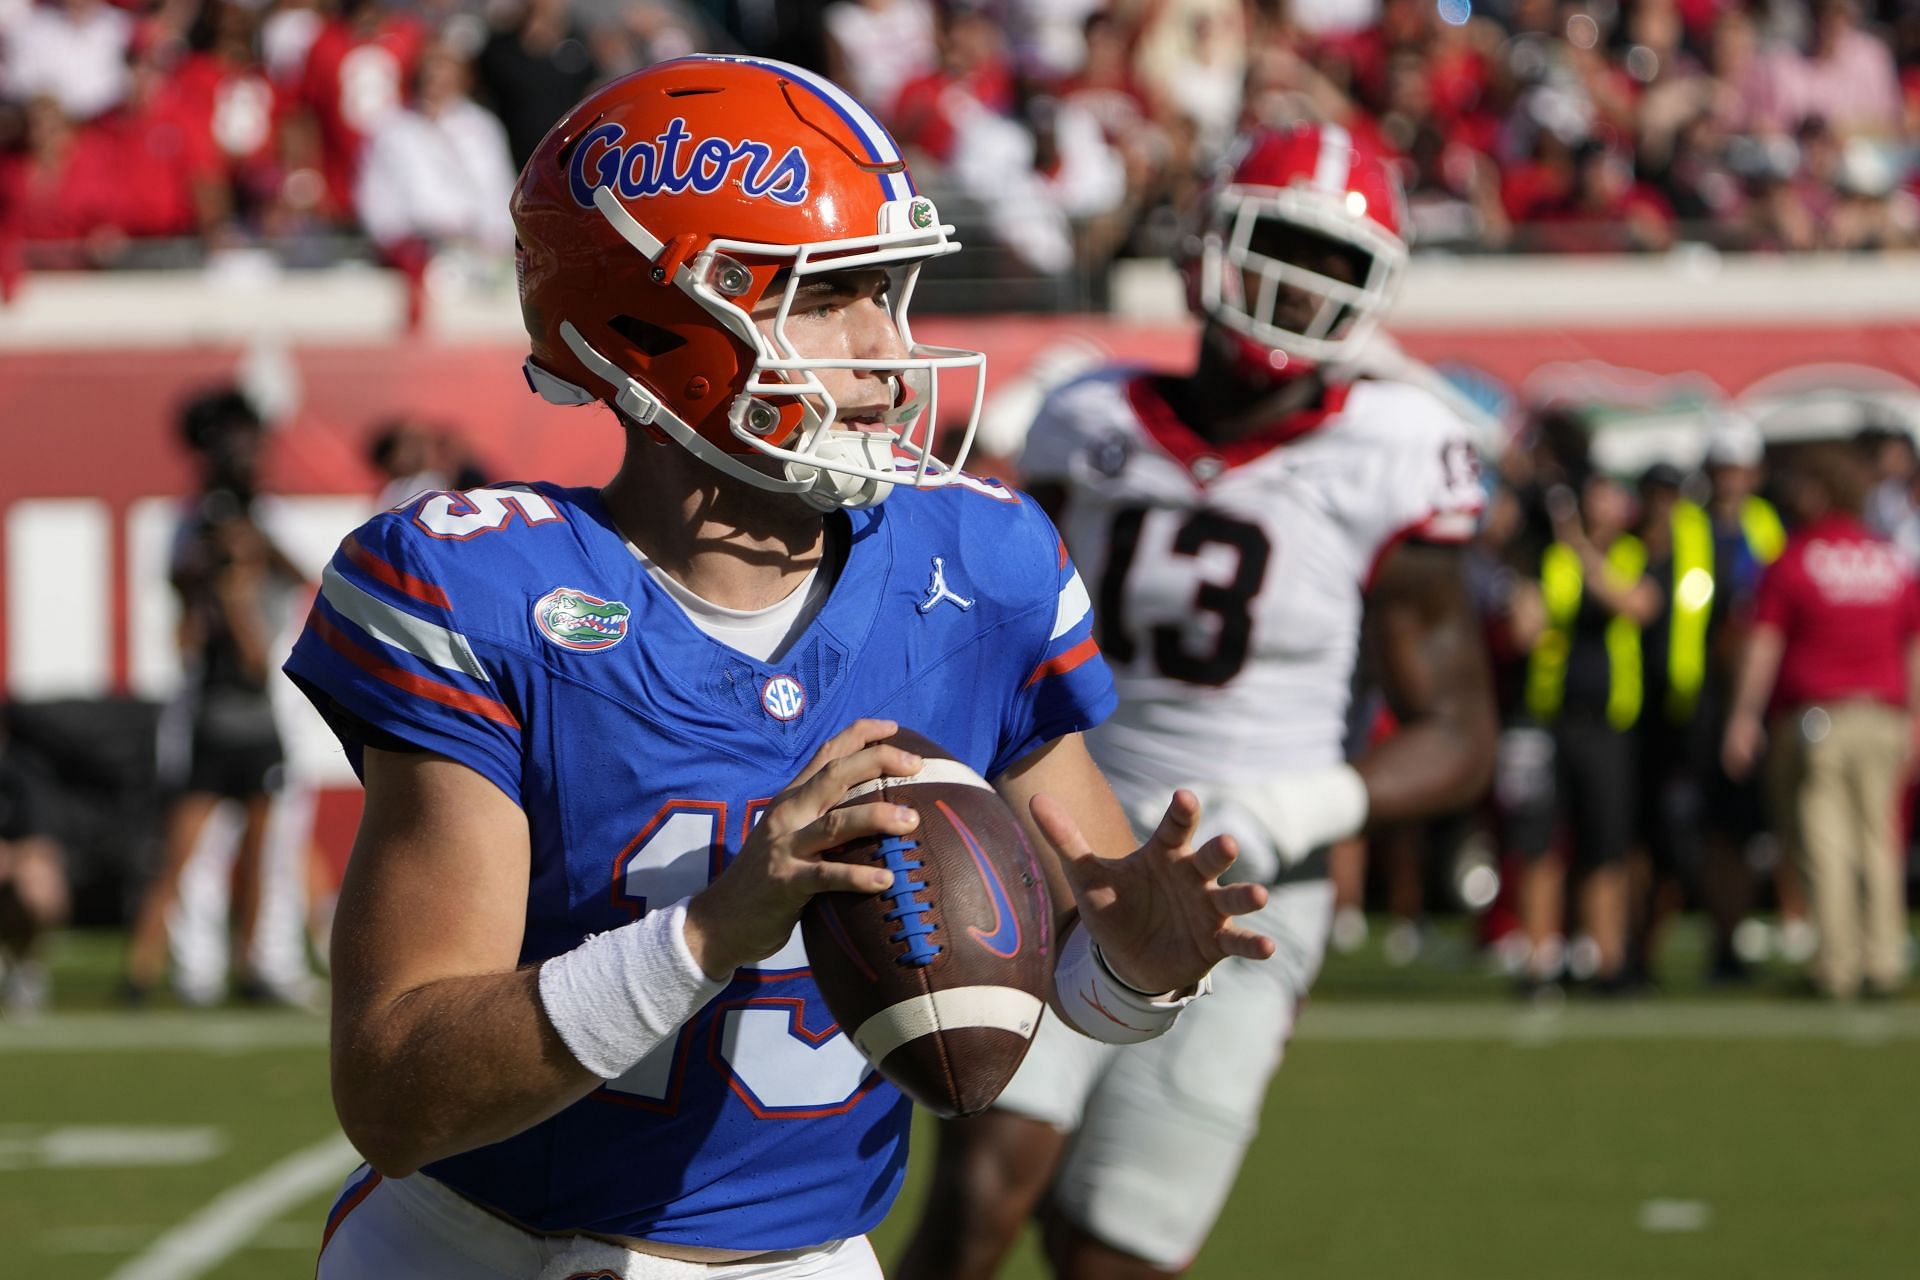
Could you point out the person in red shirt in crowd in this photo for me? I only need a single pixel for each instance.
(1605, 210)
(1834, 657)
(357, 71)
(78, 193)
(57, 193)
(1106, 88)
(168, 180)
(233, 103)
(1460, 77)
(973, 73)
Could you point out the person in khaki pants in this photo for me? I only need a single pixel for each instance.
(1835, 656)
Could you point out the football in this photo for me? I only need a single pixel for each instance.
(940, 980)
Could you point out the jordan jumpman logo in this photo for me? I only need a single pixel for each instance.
(938, 590)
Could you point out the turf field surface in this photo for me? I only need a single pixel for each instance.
(1424, 1125)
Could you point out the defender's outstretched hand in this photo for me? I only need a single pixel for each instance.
(1159, 915)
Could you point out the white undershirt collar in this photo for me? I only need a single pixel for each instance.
(762, 634)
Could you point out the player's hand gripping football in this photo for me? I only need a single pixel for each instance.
(1160, 915)
(751, 908)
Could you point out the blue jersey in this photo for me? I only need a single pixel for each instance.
(513, 630)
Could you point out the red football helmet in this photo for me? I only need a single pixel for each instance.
(654, 217)
(1301, 248)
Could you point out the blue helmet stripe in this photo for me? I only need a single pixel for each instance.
(879, 144)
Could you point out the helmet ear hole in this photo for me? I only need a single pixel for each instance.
(649, 339)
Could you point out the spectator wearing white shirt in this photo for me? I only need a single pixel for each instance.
(286, 34)
(1192, 55)
(1049, 36)
(875, 46)
(74, 52)
(1324, 18)
(1036, 180)
(438, 172)
(1847, 78)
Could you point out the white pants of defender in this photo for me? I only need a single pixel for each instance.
(1159, 1129)
(419, 1229)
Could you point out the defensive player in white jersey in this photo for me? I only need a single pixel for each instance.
(1238, 524)
(604, 730)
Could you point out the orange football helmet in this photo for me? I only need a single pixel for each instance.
(1306, 193)
(657, 214)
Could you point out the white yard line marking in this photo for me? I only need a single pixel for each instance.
(108, 1146)
(196, 1032)
(1664, 1216)
(236, 1215)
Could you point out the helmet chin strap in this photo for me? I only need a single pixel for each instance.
(819, 487)
(831, 490)
(816, 486)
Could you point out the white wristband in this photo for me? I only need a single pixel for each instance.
(1102, 1007)
(619, 995)
(1303, 811)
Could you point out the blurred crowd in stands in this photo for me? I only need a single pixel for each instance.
(160, 131)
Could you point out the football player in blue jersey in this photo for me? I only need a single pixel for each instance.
(603, 732)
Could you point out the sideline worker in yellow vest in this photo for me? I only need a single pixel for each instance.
(1667, 792)
(1584, 681)
(1705, 570)
(1734, 535)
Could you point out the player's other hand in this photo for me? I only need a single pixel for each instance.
(750, 909)
(1160, 914)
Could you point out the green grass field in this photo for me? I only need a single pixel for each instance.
(1425, 1125)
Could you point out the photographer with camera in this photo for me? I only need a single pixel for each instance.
(232, 582)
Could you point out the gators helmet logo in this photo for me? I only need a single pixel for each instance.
(676, 160)
(575, 620)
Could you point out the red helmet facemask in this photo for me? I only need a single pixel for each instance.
(1301, 252)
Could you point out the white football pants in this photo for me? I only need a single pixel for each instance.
(420, 1229)
(1159, 1129)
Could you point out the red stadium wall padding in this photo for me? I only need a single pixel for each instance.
(100, 422)
(97, 425)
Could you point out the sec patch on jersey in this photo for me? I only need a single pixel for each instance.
(941, 980)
